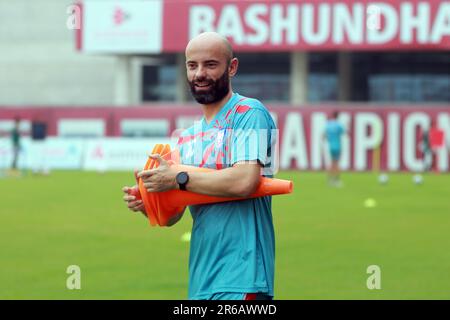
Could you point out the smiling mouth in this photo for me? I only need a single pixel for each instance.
(202, 85)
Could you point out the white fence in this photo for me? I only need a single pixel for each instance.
(80, 154)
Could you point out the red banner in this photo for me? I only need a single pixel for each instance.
(311, 25)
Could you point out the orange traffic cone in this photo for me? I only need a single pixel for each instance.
(162, 206)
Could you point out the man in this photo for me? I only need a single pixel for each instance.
(232, 244)
(433, 141)
(15, 140)
(425, 146)
(333, 132)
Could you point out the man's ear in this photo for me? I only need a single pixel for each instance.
(233, 68)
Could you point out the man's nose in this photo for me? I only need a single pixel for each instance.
(200, 73)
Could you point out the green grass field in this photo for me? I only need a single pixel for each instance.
(325, 239)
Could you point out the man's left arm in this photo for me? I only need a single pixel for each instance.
(240, 180)
(248, 154)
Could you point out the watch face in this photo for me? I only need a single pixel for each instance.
(182, 178)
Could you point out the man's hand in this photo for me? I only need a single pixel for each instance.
(132, 203)
(162, 178)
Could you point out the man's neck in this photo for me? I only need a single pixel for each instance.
(210, 110)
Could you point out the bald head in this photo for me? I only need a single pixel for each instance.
(210, 42)
(210, 65)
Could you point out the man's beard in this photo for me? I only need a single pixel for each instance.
(218, 90)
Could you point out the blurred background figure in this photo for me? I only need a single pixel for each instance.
(15, 142)
(432, 141)
(39, 148)
(333, 133)
(437, 142)
(425, 147)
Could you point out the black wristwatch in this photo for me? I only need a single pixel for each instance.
(182, 179)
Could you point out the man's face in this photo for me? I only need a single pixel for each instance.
(206, 90)
(207, 75)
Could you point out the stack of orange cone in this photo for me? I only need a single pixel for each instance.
(162, 206)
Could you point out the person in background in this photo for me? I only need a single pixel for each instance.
(15, 141)
(425, 147)
(333, 133)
